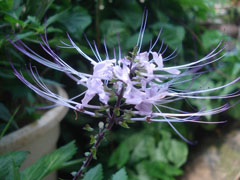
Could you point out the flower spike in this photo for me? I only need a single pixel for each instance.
(142, 81)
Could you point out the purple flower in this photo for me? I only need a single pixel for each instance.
(143, 80)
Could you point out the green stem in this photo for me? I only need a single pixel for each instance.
(73, 162)
(8, 124)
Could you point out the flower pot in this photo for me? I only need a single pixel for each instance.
(39, 137)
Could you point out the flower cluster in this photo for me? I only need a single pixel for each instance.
(141, 81)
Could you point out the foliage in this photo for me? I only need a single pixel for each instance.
(96, 173)
(148, 148)
(10, 163)
(148, 151)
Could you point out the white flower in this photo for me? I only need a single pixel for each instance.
(136, 81)
(133, 95)
(122, 73)
(95, 86)
(159, 61)
(103, 70)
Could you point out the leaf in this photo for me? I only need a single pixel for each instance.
(76, 21)
(162, 17)
(55, 17)
(13, 172)
(130, 14)
(171, 34)
(132, 40)
(13, 20)
(124, 124)
(212, 37)
(49, 163)
(120, 156)
(177, 153)
(33, 20)
(120, 175)
(143, 149)
(158, 169)
(234, 112)
(200, 9)
(142, 172)
(111, 28)
(24, 35)
(6, 74)
(6, 4)
(4, 112)
(95, 173)
(94, 153)
(6, 161)
(38, 8)
(160, 152)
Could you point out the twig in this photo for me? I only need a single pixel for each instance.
(100, 137)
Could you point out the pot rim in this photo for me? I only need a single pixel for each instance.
(51, 118)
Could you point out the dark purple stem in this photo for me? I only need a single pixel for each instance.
(99, 138)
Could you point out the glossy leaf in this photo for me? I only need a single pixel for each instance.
(49, 163)
(120, 175)
(95, 173)
(6, 162)
(177, 152)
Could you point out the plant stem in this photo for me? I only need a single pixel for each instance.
(100, 137)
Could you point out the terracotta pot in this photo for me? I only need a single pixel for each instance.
(38, 138)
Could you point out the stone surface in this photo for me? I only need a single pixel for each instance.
(217, 161)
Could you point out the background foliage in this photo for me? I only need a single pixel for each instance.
(145, 151)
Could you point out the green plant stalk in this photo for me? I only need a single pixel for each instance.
(9, 122)
(73, 162)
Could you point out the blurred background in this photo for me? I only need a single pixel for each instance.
(146, 150)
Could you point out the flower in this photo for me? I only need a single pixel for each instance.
(142, 80)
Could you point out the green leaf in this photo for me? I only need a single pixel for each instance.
(160, 153)
(143, 149)
(93, 140)
(4, 112)
(88, 128)
(49, 163)
(212, 37)
(120, 156)
(33, 20)
(177, 153)
(162, 17)
(131, 41)
(111, 28)
(116, 111)
(120, 175)
(55, 17)
(13, 20)
(38, 8)
(94, 153)
(142, 173)
(76, 21)
(13, 172)
(6, 162)
(165, 171)
(95, 173)
(124, 124)
(6, 4)
(6, 74)
(130, 14)
(172, 35)
(25, 35)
